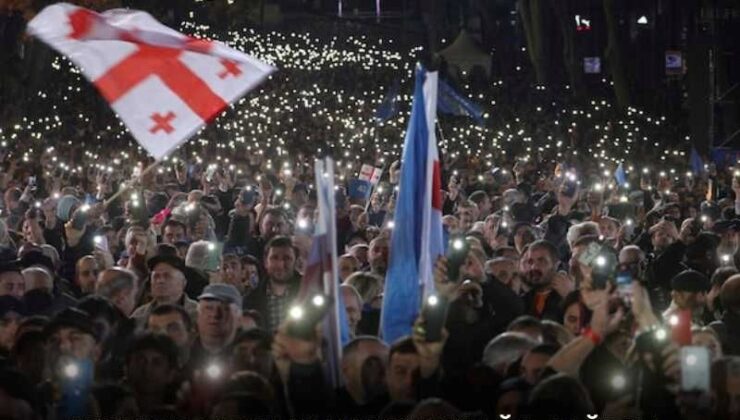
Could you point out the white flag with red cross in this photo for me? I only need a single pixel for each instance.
(164, 85)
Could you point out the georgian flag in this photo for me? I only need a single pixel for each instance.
(164, 85)
(417, 238)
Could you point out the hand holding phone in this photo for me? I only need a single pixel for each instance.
(434, 314)
(457, 253)
(695, 369)
(302, 319)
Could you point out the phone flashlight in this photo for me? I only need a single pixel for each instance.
(458, 244)
(214, 371)
(71, 370)
(661, 334)
(618, 382)
(628, 222)
(302, 223)
(84, 208)
(37, 204)
(296, 312)
(211, 246)
(98, 240)
(391, 224)
(726, 258)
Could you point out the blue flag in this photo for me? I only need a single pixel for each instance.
(389, 107)
(697, 164)
(359, 189)
(620, 175)
(449, 101)
(417, 237)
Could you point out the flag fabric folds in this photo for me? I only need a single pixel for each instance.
(416, 240)
(620, 175)
(163, 85)
(322, 276)
(389, 107)
(453, 103)
(696, 162)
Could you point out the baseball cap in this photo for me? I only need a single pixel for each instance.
(222, 293)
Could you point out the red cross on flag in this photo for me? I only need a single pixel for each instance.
(164, 85)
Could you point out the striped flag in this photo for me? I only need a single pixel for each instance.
(416, 241)
(321, 275)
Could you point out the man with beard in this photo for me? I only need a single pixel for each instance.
(540, 271)
(273, 297)
(273, 223)
(689, 293)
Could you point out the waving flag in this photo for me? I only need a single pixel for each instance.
(389, 107)
(620, 175)
(453, 103)
(416, 241)
(321, 272)
(164, 85)
(696, 162)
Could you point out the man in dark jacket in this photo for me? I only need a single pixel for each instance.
(273, 297)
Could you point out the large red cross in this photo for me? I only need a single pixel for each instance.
(162, 122)
(230, 69)
(148, 61)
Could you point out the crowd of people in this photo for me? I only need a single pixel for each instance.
(128, 293)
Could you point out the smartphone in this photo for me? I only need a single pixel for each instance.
(588, 256)
(304, 318)
(624, 286)
(79, 220)
(210, 172)
(248, 196)
(569, 188)
(434, 313)
(101, 242)
(457, 253)
(214, 256)
(695, 369)
(75, 379)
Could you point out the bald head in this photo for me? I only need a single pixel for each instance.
(730, 294)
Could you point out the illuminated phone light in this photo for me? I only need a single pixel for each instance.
(619, 382)
(296, 312)
(318, 300)
(661, 334)
(704, 218)
(214, 371)
(37, 204)
(71, 370)
(391, 224)
(432, 300)
(302, 223)
(628, 222)
(623, 199)
(673, 320)
(600, 261)
(458, 244)
(98, 240)
(726, 258)
(211, 246)
(57, 195)
(85, 207)
(691, 360)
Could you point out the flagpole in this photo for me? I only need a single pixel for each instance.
(442, 134)
(123, 190)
